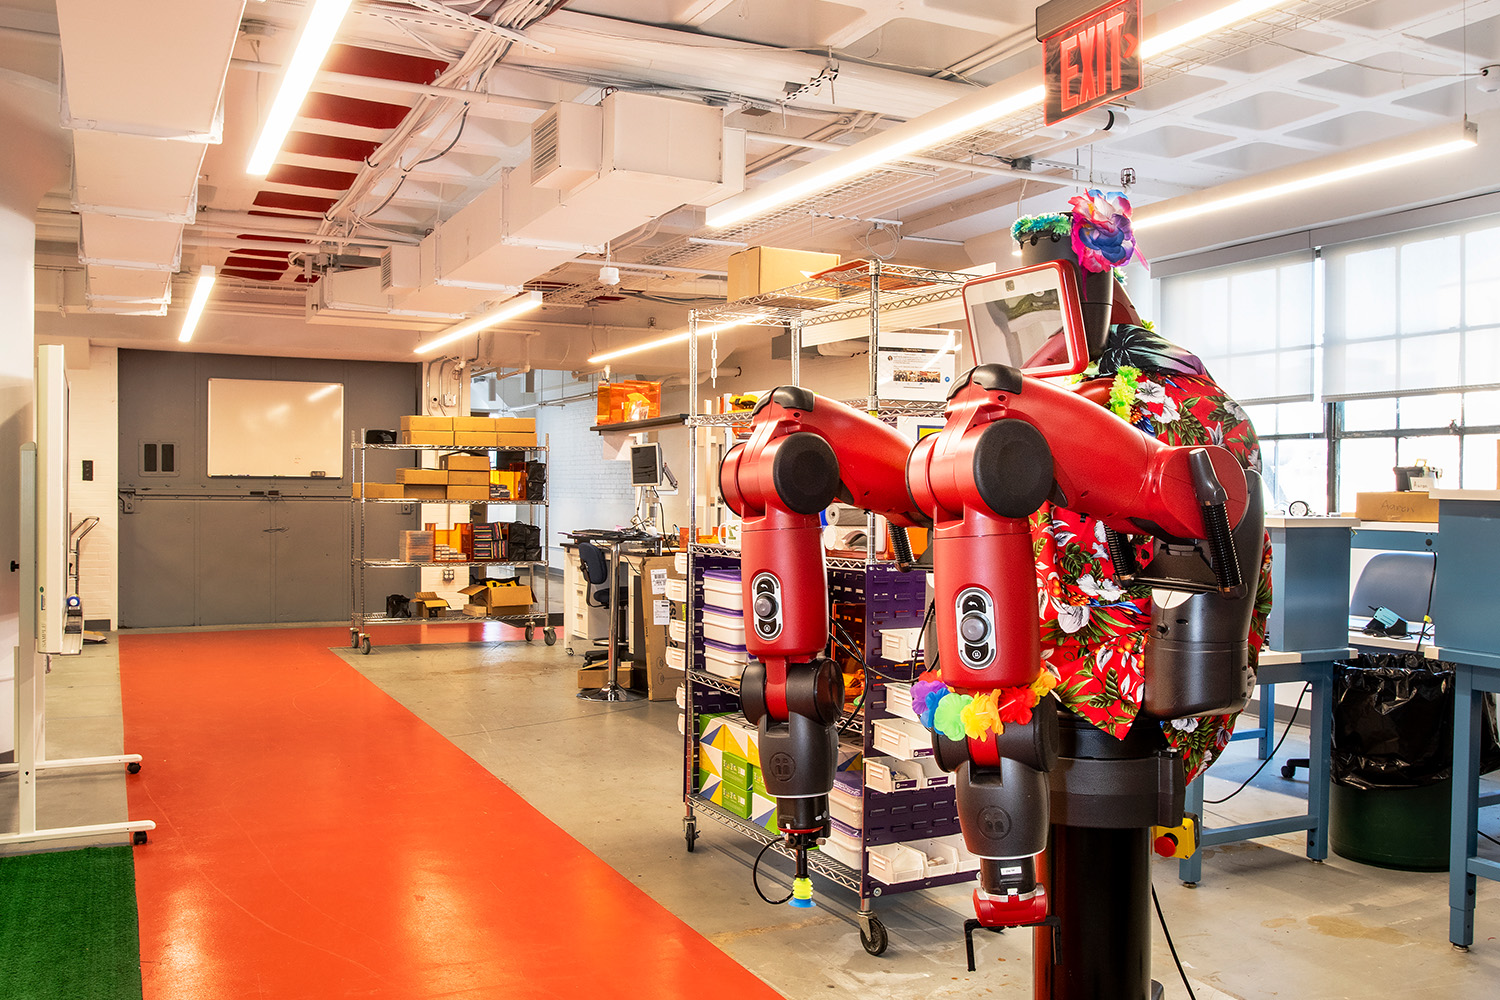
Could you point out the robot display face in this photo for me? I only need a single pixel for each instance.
(1028, 318)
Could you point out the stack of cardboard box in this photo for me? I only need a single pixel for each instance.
(469, 432)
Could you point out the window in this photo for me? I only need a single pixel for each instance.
(1379, 353)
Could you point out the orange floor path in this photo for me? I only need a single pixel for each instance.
(315, 839)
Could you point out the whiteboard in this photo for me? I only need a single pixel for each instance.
(258, 427)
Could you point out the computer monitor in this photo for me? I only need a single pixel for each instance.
(645, 464)
(1027, 318)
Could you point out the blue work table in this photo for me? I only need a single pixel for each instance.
(1308, 626)
(1463, 604)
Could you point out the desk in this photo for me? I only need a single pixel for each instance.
(1470, 525)
(1315, 667)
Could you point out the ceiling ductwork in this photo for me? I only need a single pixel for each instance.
(594, 174)
(139, 134)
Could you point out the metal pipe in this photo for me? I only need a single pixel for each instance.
(664, 269)
(402, 86)
(927, 161)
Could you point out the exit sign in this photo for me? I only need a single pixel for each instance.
(1091, 59)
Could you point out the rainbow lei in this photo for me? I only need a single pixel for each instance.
(1123, 392)
(978, 716)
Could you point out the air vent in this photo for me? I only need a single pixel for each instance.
(565, 146)
(385, 271)
(544, 149)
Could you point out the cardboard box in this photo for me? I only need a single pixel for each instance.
(466, 463)
(417, 546)
(499, 596)
(1413, 506)
(514, 425)
(763, 810)
(764, 269)
(379, 491)
(655, 571)
(471, 494)
(474, 439)
(515, 439)
(736, 800)
(434, 439)
(473, 424)
(477, 610)
(594, 677)
(424, 491)
(463, 477)
(419, 423)
(428, 477)
(426, 604)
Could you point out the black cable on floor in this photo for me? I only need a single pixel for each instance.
(755, 877)
(1487, 837)
(1274, 752)
(1172, 947)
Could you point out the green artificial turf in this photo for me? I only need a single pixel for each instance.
(68, 926)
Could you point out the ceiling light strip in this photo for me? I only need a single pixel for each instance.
(317, 35)
(966, 114)
(670, 339)
(1418, 148)
(206, 278)
(509, 310)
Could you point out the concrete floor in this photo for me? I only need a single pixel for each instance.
(1264, 923)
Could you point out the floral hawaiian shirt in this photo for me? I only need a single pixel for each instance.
(1094, 629)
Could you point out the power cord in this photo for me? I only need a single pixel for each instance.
(1172, 947)
(1427, 617)
(1274, 752)
(1487, 837)
(755, 877)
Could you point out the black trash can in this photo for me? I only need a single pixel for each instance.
(1391, 800)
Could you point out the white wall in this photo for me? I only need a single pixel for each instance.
(584, 490)
(94, 434)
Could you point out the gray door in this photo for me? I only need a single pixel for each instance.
(159, 563)
(234, 562)
(311, 560)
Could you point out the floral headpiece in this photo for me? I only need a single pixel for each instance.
(1102, 235)
(1099, 226)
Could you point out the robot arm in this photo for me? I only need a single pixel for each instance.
(1011, 443)
(804, 452)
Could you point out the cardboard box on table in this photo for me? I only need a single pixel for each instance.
(1412, 506)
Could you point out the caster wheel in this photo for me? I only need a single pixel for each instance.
(530, 632)
(550, 635)
(1190, 885)
(1288, 771)
(692, 838)
(364, 645)
(134, 767)
(875, 938)
(354, 638)
(569, 651)
(138, 838)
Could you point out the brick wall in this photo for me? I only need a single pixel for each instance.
(93, 434)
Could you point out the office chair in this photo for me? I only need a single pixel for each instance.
(595, 563)
(1400, 581)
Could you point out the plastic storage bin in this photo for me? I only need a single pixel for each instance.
(723, 626)
(902, 738)
(894, 864)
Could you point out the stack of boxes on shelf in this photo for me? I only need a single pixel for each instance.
(496, 598)
(723, 624)
(465, 477)
(729, 768)
(479, 541)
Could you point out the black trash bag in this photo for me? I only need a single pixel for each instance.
(397, 606)
(1393, 722)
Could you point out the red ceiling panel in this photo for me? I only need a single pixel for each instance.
(294, 202)
(239, 272)
(236, 259)
(258, 252)
(333, 147)
(353, 111)
(386, 65)
(271, 239)
(310, 177)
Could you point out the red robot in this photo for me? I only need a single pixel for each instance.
(804, 452)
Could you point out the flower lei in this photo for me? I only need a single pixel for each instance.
(1102, 235)
(1123, 392)
(979, 716)
(1050, 224)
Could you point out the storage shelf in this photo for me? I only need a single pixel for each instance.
(450, 562)
(817, 861)
(856, 725)
(450, 447)
(458, 618)
(667, 420)
(841, 295)
(460, 503)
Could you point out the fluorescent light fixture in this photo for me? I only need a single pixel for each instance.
(1207, 24)
(963, 115)
(509, 310)
(1386, 156)
(671, 338)
(206, 277)
(317, 35)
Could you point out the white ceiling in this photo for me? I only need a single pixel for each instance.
(1300, 82)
